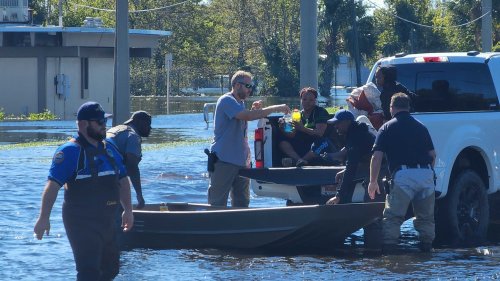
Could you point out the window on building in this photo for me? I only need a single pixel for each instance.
(48, 40)
(16, 39)
(84, 78)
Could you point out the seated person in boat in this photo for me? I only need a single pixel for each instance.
(328, 150)
(311, 127)
(358, 146)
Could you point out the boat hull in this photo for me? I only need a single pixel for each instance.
(294, 228)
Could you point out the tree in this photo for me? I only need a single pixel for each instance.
(336, 35)
(39, 11)
(332, 24)
(406, 26)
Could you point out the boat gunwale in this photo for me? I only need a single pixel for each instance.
(248, 209)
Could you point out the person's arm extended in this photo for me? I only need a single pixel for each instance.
(375, 164)
(48, 198)
(127, 216)
(132, 165)
(249, 115)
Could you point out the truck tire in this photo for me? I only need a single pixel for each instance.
(464, 216)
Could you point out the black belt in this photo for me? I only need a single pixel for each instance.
(416, 166)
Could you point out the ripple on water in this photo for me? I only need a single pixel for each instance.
(178, 173)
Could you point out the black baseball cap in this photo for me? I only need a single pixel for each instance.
(139, 116)
(91, 111)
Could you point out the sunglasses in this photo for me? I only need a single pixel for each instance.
(100, 122)
(248, 86)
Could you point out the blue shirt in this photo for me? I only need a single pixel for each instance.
(126, 139)
(65, 163)
(230, 142)
(405, 141)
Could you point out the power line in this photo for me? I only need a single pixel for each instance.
(135, 11)
(430, 26)
(369, 1)
(434, 26)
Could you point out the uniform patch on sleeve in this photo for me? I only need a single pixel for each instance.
(58, 157)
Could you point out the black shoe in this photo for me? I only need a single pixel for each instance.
(425, 247)
(389, 249)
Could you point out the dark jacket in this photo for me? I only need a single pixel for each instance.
(387, 92)
(359, 143)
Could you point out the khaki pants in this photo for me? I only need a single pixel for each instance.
(415, 186)
(225, 180)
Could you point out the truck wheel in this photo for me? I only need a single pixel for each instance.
(466, 211)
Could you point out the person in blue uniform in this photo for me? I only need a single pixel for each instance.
(410, 152)
(95, 182)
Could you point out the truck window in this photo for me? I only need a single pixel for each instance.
(442, 87)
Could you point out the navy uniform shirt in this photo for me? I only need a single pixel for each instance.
(405, 141)
(65, 163)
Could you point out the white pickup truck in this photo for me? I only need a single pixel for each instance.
(457, 98)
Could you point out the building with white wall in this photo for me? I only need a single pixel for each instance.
(59, 68)
(345, 72)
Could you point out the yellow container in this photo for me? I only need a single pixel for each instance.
(296, 115)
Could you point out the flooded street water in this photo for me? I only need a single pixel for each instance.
(174, 169)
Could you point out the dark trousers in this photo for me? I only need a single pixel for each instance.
(94, 245)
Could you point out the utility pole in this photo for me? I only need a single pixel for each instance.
(486, 26)
(121, 94)
(60, 14)
(309, 43)
(356, 44)
(168, 67)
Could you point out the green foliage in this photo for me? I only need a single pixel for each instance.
(332, 109)
(39, 13)
(218, 37)
(30, 144)
(332, 25)
(496, 48)
(43, 116)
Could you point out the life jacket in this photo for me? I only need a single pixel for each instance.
(92, 192)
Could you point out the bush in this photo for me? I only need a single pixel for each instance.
(2, 114)
(496, 48)
(45, 115)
